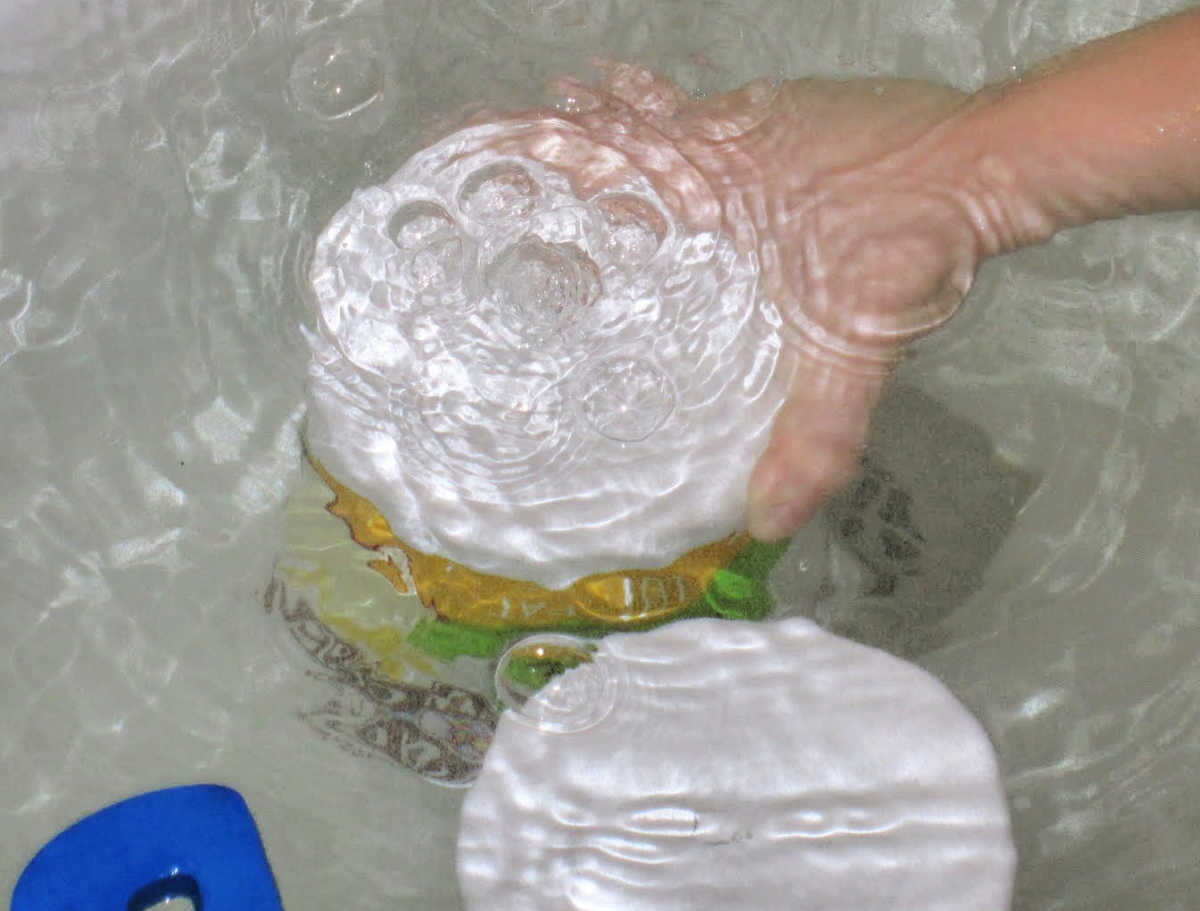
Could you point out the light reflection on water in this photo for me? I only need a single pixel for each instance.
(165, 169)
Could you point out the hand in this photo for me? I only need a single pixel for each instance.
(846, 194)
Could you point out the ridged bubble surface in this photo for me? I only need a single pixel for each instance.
(740, 766)
(531, 383)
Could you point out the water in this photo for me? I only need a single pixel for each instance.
(166, 170)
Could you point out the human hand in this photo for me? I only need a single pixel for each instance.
(863, 239)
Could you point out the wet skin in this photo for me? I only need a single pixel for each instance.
(871, 203)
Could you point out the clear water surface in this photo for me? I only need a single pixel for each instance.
(164, 168)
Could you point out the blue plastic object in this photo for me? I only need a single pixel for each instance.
(198, 842)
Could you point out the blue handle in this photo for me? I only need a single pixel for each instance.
(198, 841)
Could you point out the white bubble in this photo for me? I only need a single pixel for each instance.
(417, 224)
(575, 691)
(625, 398)
(543, 287)
(343, 78)
(635, 228)
(497, 192)
(430, 243)
(677, 770)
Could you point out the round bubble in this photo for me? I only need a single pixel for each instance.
(535, 666)
(635, 228)
(499, 192)
(431, 245)
(625, 398)
(344, 79)
(543, 288)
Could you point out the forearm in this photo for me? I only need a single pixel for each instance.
(1108, 130)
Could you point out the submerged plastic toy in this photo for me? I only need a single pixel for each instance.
(197, 842)
(407, 640)
(477, 614)
(898, 549)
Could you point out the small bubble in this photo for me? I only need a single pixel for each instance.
(437, 264)
(625, 399)
(341, 78)
(543, 287)
(426, 232)
(636, 228)
(417, 224)
(497, 192)
(537, 666)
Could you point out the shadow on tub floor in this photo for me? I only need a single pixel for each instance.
(908, 540)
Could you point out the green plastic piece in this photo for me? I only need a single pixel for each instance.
(739, 591)
(728, 584)
(449, 640)
(535, 674)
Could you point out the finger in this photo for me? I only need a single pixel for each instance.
(814, 447)
(590, 165)
(642, 89)
(719, 118)
(603, 150)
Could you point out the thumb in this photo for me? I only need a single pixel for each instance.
(814, 446)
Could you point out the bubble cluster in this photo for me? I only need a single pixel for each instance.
(510, 371)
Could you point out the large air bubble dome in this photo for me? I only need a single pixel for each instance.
(534, 384)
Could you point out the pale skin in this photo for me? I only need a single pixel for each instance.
(871, 203)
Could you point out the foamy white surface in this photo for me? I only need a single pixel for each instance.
(742, 765)
(533, 384)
